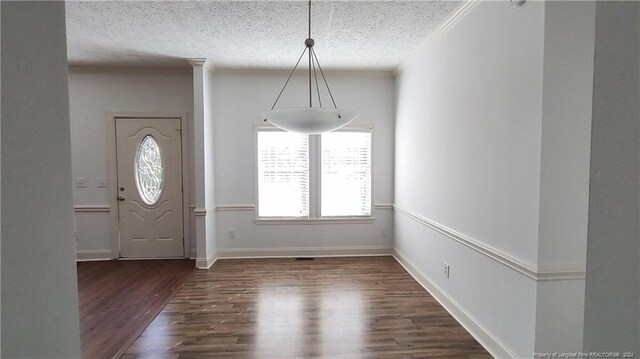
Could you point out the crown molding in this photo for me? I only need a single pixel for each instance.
(453, 19)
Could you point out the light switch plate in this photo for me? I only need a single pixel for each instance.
(101, 182)
(81, 182)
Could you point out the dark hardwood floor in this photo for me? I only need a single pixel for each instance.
(118, 299)
(365, 307)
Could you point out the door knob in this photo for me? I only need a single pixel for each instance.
(121, 198)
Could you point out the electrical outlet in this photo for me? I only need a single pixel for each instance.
(77, 235)
(232, 233)
(446, 270)
(383, 231)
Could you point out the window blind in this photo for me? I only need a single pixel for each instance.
(346, 174)
(283, 174)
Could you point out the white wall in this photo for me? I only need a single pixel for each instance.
(238, 98)
(94, 93)
(39, 288)
(230, 118)
(468, 128)
(468, 132)
(612, 300)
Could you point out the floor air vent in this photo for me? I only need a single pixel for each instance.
(304, 259)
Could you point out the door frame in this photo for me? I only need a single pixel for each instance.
(114, 228)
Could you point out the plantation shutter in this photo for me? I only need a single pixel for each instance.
(283, 174)
(346, 174)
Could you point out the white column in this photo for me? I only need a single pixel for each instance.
(203, 164)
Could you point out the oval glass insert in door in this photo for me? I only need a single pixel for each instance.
(149, 171)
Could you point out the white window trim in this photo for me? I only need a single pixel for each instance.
(315, 186)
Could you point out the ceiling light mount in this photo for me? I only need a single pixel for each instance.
(309, 120)
(309, 42)
(517, 3)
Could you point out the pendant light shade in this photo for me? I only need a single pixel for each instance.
(309, 120)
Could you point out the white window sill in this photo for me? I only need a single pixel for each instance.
(335, 220)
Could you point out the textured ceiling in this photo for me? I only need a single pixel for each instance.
(362, 35)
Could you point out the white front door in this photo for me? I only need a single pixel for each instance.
(149, 163)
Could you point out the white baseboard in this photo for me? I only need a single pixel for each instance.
(291, 252)
(202, 263)
(494, 346)
(87, 255)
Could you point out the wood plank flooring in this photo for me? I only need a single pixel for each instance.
(364, 307)
(118, 299)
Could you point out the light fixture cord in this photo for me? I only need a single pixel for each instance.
(310, 96)
(315, 74)
(309, 19)
(289, 78)
(324, 78)
(313, 60)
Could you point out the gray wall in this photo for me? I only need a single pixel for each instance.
(39, 290)
(612, 318)
(95, 92)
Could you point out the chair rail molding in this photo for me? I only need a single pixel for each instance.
(530, 270)
(383, 206)
(252, 207)
(234, 207)
(202, 212)
(84, 208)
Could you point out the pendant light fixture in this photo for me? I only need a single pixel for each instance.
(309, 120)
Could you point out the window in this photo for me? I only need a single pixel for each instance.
(283, 174)
(324, 176)
(149, 173)
(346, 174)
